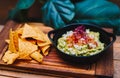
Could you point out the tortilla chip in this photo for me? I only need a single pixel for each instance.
(29, 32)
(33, 41)
(38, 30)
(37, 56)
(47, 39)
(24, 56)
(19, 31)
(11, 43)
(41, 26)
(41, 44)
(9, 57)
(26, 48)
(45, 49)
(47, 42)
(27, 43)
(15, 38)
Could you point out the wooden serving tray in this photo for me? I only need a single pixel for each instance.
(54, 65)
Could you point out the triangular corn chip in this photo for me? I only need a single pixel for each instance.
(33, 41)
(47, 42)
(24, 56)
(26, 48)
(29, 32)
(41, 26)
(37, 56)
(27, 43)
(15, 38)
(19, 31)
(11, 43)
(9, 57)
(45, 49)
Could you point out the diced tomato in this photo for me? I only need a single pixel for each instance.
(76, 39)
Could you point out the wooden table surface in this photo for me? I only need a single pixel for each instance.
(116, 59)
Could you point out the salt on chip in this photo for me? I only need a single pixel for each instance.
(26, 48)
(37, 56)
(29, 32)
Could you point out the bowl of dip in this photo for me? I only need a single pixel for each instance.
(81, 42)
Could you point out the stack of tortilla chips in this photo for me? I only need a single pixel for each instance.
(26, 43)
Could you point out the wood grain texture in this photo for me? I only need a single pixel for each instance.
(107, 66)
(53, 64)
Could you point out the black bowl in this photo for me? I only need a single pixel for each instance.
(105, 37)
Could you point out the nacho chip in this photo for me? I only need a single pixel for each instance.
(26, 48)
(37, 56)
(41, 26)
(45, 49)
(24, 56)
(29, 32)
(27, 43)
(19, 31)
(6, 56)
(11, 43)
(9, 57)
(15, 38)
(33, 41)
(47, 41)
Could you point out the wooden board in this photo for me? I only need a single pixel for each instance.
(54, 65)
